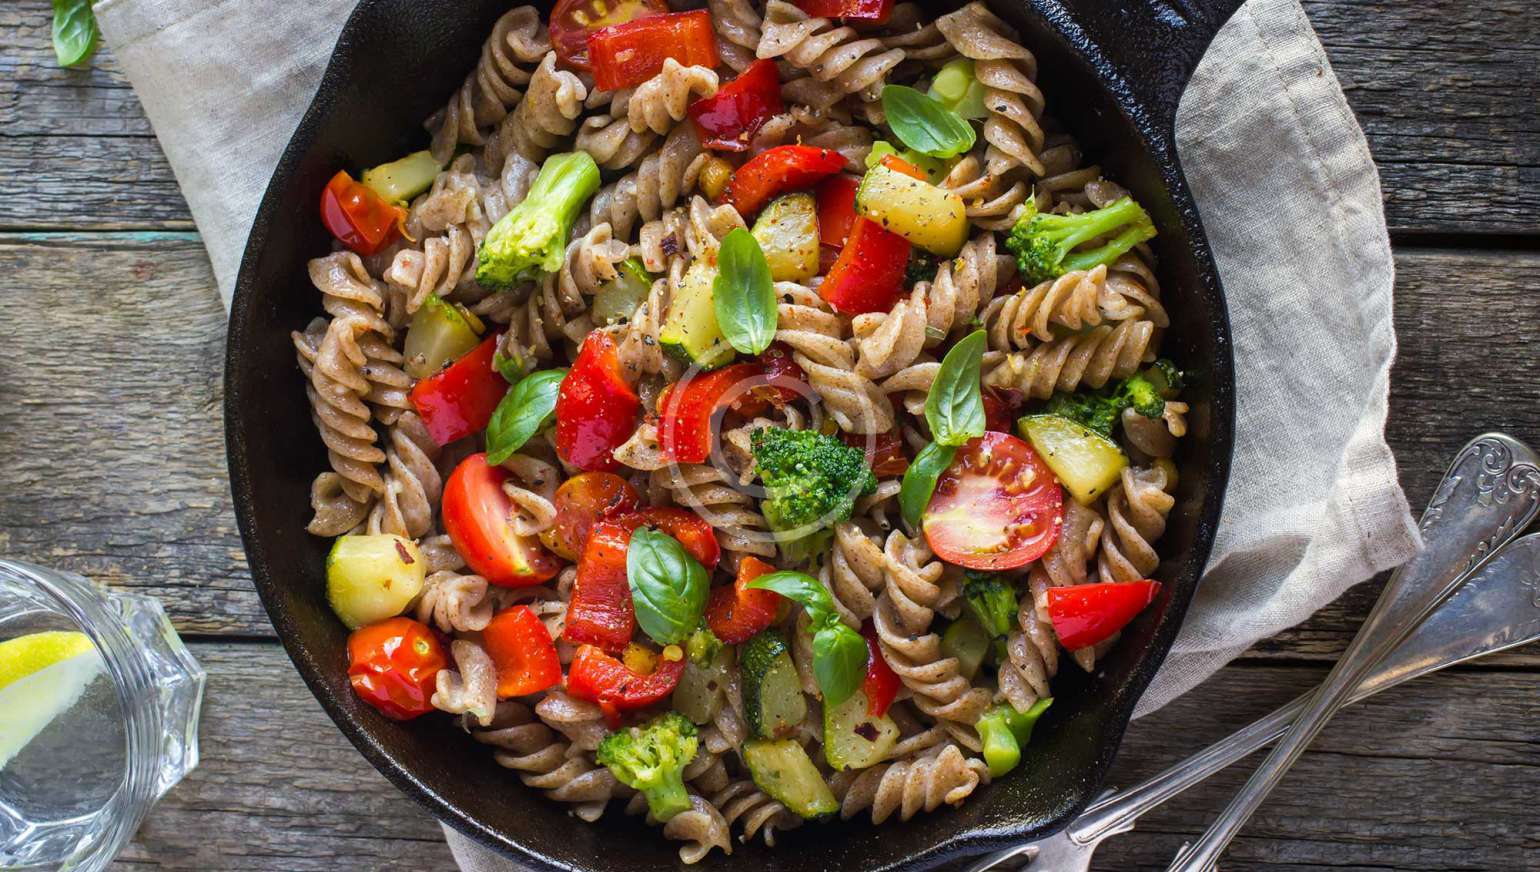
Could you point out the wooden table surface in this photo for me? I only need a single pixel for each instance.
(112, 465)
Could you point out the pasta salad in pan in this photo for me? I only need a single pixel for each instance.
(736, 414)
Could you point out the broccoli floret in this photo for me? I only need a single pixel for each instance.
(1145, 392)
(532, 237)
(811, 482)
(1168, 380)
(993, 601)
(1004, 731)
(1094, 410)
(703, 646)
(651, 758)
(1044, 244)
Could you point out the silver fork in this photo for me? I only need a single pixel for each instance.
(1496, 607)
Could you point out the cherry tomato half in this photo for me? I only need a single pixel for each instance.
(583, 501)
(998, 506)
(357, 216)
(572, 21)
(478, 518)
(393, 665)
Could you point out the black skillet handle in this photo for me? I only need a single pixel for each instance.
(1154, 45)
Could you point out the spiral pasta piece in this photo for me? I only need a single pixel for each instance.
(1008, 72)
(908, 787)
(612, 143)
(709, 492)
(660, 102)
(547, 114)
(1092, 359)
(454, 602)
(742, 803)
(547, 762)
(518, 42)
(470, 686)
(1073, 302)
(837, 58)
(591, 261)
(992, 202)
(1032, 650)
(817, 339)
(413, 484)
(702, 827)
(1136, 517)
(581, 721)
(658, 183)
(737, 24)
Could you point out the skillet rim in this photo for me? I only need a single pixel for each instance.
(1154, 134)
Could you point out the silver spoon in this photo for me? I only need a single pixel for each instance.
(1496, 609)
(1490, 493)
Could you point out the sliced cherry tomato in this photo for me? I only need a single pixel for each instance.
(629, 54)
(863, 10)
(778, 170)
(728, 119)
(836, 210)
(522, 650)
(869, 274)
(881, 683)
(599, 611)
(595, 408)
(393, 665)
(459, 400)
(688, 407)
(885, 454)
(573, 21)
(583, 501)
(898, 164)
(997, 507)
(736, 612)
(478, 518)
(1000, 407)
(357, 216)
(1085, 614)
(598, 677)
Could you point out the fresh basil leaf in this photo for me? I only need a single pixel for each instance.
(954, 408)
(839, 660)
(668, 587)
(521, 413)
(743, 294)
(799, 587)
(925, 125)
(74, 31)
(920, 481)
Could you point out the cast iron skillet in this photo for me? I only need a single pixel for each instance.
(1112, 71)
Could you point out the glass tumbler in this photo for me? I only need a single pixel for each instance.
(99, 704)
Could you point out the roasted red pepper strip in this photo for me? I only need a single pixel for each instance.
(881, 684)
(459, 400)
(885, 454)
(898, 164)
(599, 610)
(836, 210)
(692, 531)
(778, 170)
(863, 10)
(629, 54)
(598, 677)
(869, 274)
(728, 119)
(357, 216)
(596, 408)
(522, 650)
(393, 665)
(686, 409)
(782, 377)
(736, 612)
(1084, 614)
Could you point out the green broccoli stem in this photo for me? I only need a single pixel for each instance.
(667, 797)
(532, 238)
(1001, 750)
(1044, 244)
(803, 549)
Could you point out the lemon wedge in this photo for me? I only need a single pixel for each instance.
(41, 676)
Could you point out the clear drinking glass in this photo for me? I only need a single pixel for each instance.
(90, 742)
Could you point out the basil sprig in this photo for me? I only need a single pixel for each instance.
(521, 413)
(954, 407)
(925, 125)
(668, 587)
(743, 294)
(74, 31)
(839, 653)
(920, 481)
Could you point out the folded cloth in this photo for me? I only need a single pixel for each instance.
(1281, 173)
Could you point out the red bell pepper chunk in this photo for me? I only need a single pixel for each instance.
(357, 216)
(1085, 614)
(869, 274)
(692, 531)
(459, 400)
(598, 677)
(595, 408)
(522, 650)
(728, 119)
(881, 683)
(884, 454)
(778, 170)
(572, 21)
(687, 407)
(629, 54)
(736, 612)
(863, 10)
(836, 209)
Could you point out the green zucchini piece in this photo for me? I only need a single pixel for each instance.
(371, 578)
(401, 180)
(966, 640)
(1086, 462)
(853, 739)
(783, 770)
(690, 328)
(772, 691)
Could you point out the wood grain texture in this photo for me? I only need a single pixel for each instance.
(279, 788)
(1436, 86)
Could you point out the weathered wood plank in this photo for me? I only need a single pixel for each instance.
(132, 354)
(1434, 86)
(1432, 776)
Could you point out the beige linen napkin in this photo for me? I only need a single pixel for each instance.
(1288, 193)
